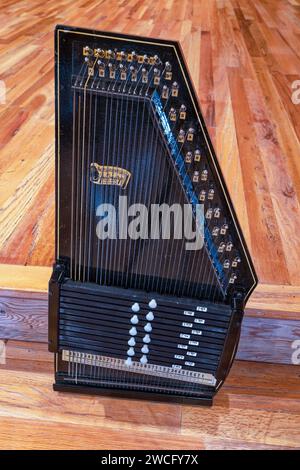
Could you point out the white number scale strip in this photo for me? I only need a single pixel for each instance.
(149, 369)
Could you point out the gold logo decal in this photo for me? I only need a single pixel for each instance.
(109, 175)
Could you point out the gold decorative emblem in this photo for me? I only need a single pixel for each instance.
(109, 175)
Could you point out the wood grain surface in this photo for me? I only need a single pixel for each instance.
(266, 336)
(243, 56)
(258, 407)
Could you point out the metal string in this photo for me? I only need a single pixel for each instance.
(73, 185)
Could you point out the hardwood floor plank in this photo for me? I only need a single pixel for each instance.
(258, 407)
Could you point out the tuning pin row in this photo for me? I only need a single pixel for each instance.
(122, 56)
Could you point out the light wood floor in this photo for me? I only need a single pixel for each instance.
(259, 407)
(243, 56)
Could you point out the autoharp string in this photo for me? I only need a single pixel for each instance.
(123, 163)
(118, 190)
(137, 172)
(150, 171)
(107, 189)
(83, 165)
(137, 176)
(112, 189)
(75, 176)
(153, 167)
(159, 191)
(99, 271)
(93, 187)
(77, 187)
(122, 134)
(142, 191)
(167, 195)
(134, 150)
(73, 185)
(116, 99)
(87, 190)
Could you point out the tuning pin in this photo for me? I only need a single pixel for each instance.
(165, 92)
(123, 74)
(101, 68)
(188, 157)
(224, 229)
(190, 134)
(232, 278)
(211, 193)
(229, 246)
(112, 70)
(144, 76)
(236, 261)
(87, 51)
(133, 72)
(197, 155)
(215, 231)
(202, 195)
(209, 213)
(196, 177)
(226, 264)
(217, 212)
(172, 114)
(181, 135)
(175, 88)
(221, 247)
(99, 53)
(182, 112)
(204, 175)
(156, 73)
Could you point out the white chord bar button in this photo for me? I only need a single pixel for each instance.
(135, 307)
(143, 360)
(152, 303)
(131, 342)
(145, 349)
(133, 331)
(146, 339)
(150, 316)
(148, 327)
(130, 352)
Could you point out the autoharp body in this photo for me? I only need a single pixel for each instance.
(140, 311)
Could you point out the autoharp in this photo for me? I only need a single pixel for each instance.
(136, 308)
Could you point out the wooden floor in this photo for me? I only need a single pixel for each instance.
(243, 56)
(259, 407)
